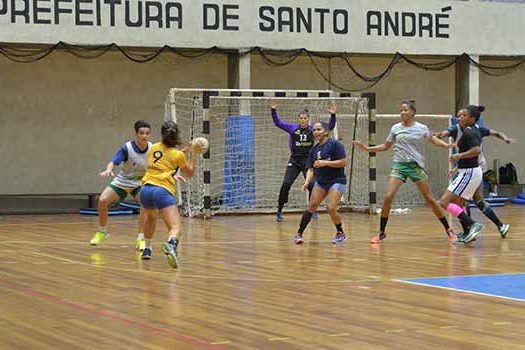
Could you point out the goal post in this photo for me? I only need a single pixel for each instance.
(244, 167)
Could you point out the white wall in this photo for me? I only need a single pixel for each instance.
(63, 118)
(503, 98)
(433, 91)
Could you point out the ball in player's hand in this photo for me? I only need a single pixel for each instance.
(200, 144)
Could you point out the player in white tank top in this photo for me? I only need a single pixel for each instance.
(132, 157)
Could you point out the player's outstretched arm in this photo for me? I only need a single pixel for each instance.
(109, 170)
(189, 168)
(333, 119)
(379, 148)
(502, 136)
(440, 143)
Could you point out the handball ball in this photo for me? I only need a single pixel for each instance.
(201, 145)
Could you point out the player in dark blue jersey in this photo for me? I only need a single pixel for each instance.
(301, 141)
(325, 164)
(455, 132)
(470, 174)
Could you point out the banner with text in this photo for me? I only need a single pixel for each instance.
(359, 26)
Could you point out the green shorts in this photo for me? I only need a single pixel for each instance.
(123, 192)
(410, 170)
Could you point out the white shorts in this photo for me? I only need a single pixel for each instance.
(466, 182)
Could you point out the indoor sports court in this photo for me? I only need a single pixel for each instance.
(262, 175)
(243, 284)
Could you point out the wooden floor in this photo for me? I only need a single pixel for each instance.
(244, 285)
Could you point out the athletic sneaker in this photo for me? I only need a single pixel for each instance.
(99, 237)
(378, 237)
(315, 216)
(170, 249)
(298, 239)
(339, 237)
(503, 230)
(461, 238)
(146, 254)
(474, 231)
(279, 216)
(141, 244)
(452, 237)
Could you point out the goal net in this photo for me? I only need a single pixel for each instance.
(248, 154)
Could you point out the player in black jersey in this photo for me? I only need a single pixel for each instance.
(470, 174)
(325, 165)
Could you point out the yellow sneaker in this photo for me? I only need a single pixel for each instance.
(98, 238)
(141, 244)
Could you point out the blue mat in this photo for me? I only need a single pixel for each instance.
(239, 162)
(111, 212)
(517, 200)
(492, 204)
(507, 286)
(130, 205)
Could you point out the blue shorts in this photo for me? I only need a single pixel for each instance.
(335, 186)
(156, 197)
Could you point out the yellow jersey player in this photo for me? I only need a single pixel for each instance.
(158, 189)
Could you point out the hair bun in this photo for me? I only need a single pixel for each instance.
(481, 108)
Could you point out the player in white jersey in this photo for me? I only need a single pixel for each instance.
(133, 160)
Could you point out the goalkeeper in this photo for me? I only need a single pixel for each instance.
(301, 141)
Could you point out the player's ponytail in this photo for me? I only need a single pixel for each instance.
(475, 111)
(170, 134)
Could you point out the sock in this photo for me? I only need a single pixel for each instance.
(444, 222)
(305, 219)
(465, 227)
(487, 210)
(103, 229)
(173, 239)
(140, 236)
(467, 209)
(148, 243)
(280, 208)
(382, 224)
(339, 227)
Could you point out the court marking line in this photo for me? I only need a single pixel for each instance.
(394, 330)
(338, 334)
(279, 339)
(461, 290)
(105, 313)
(221, 278)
